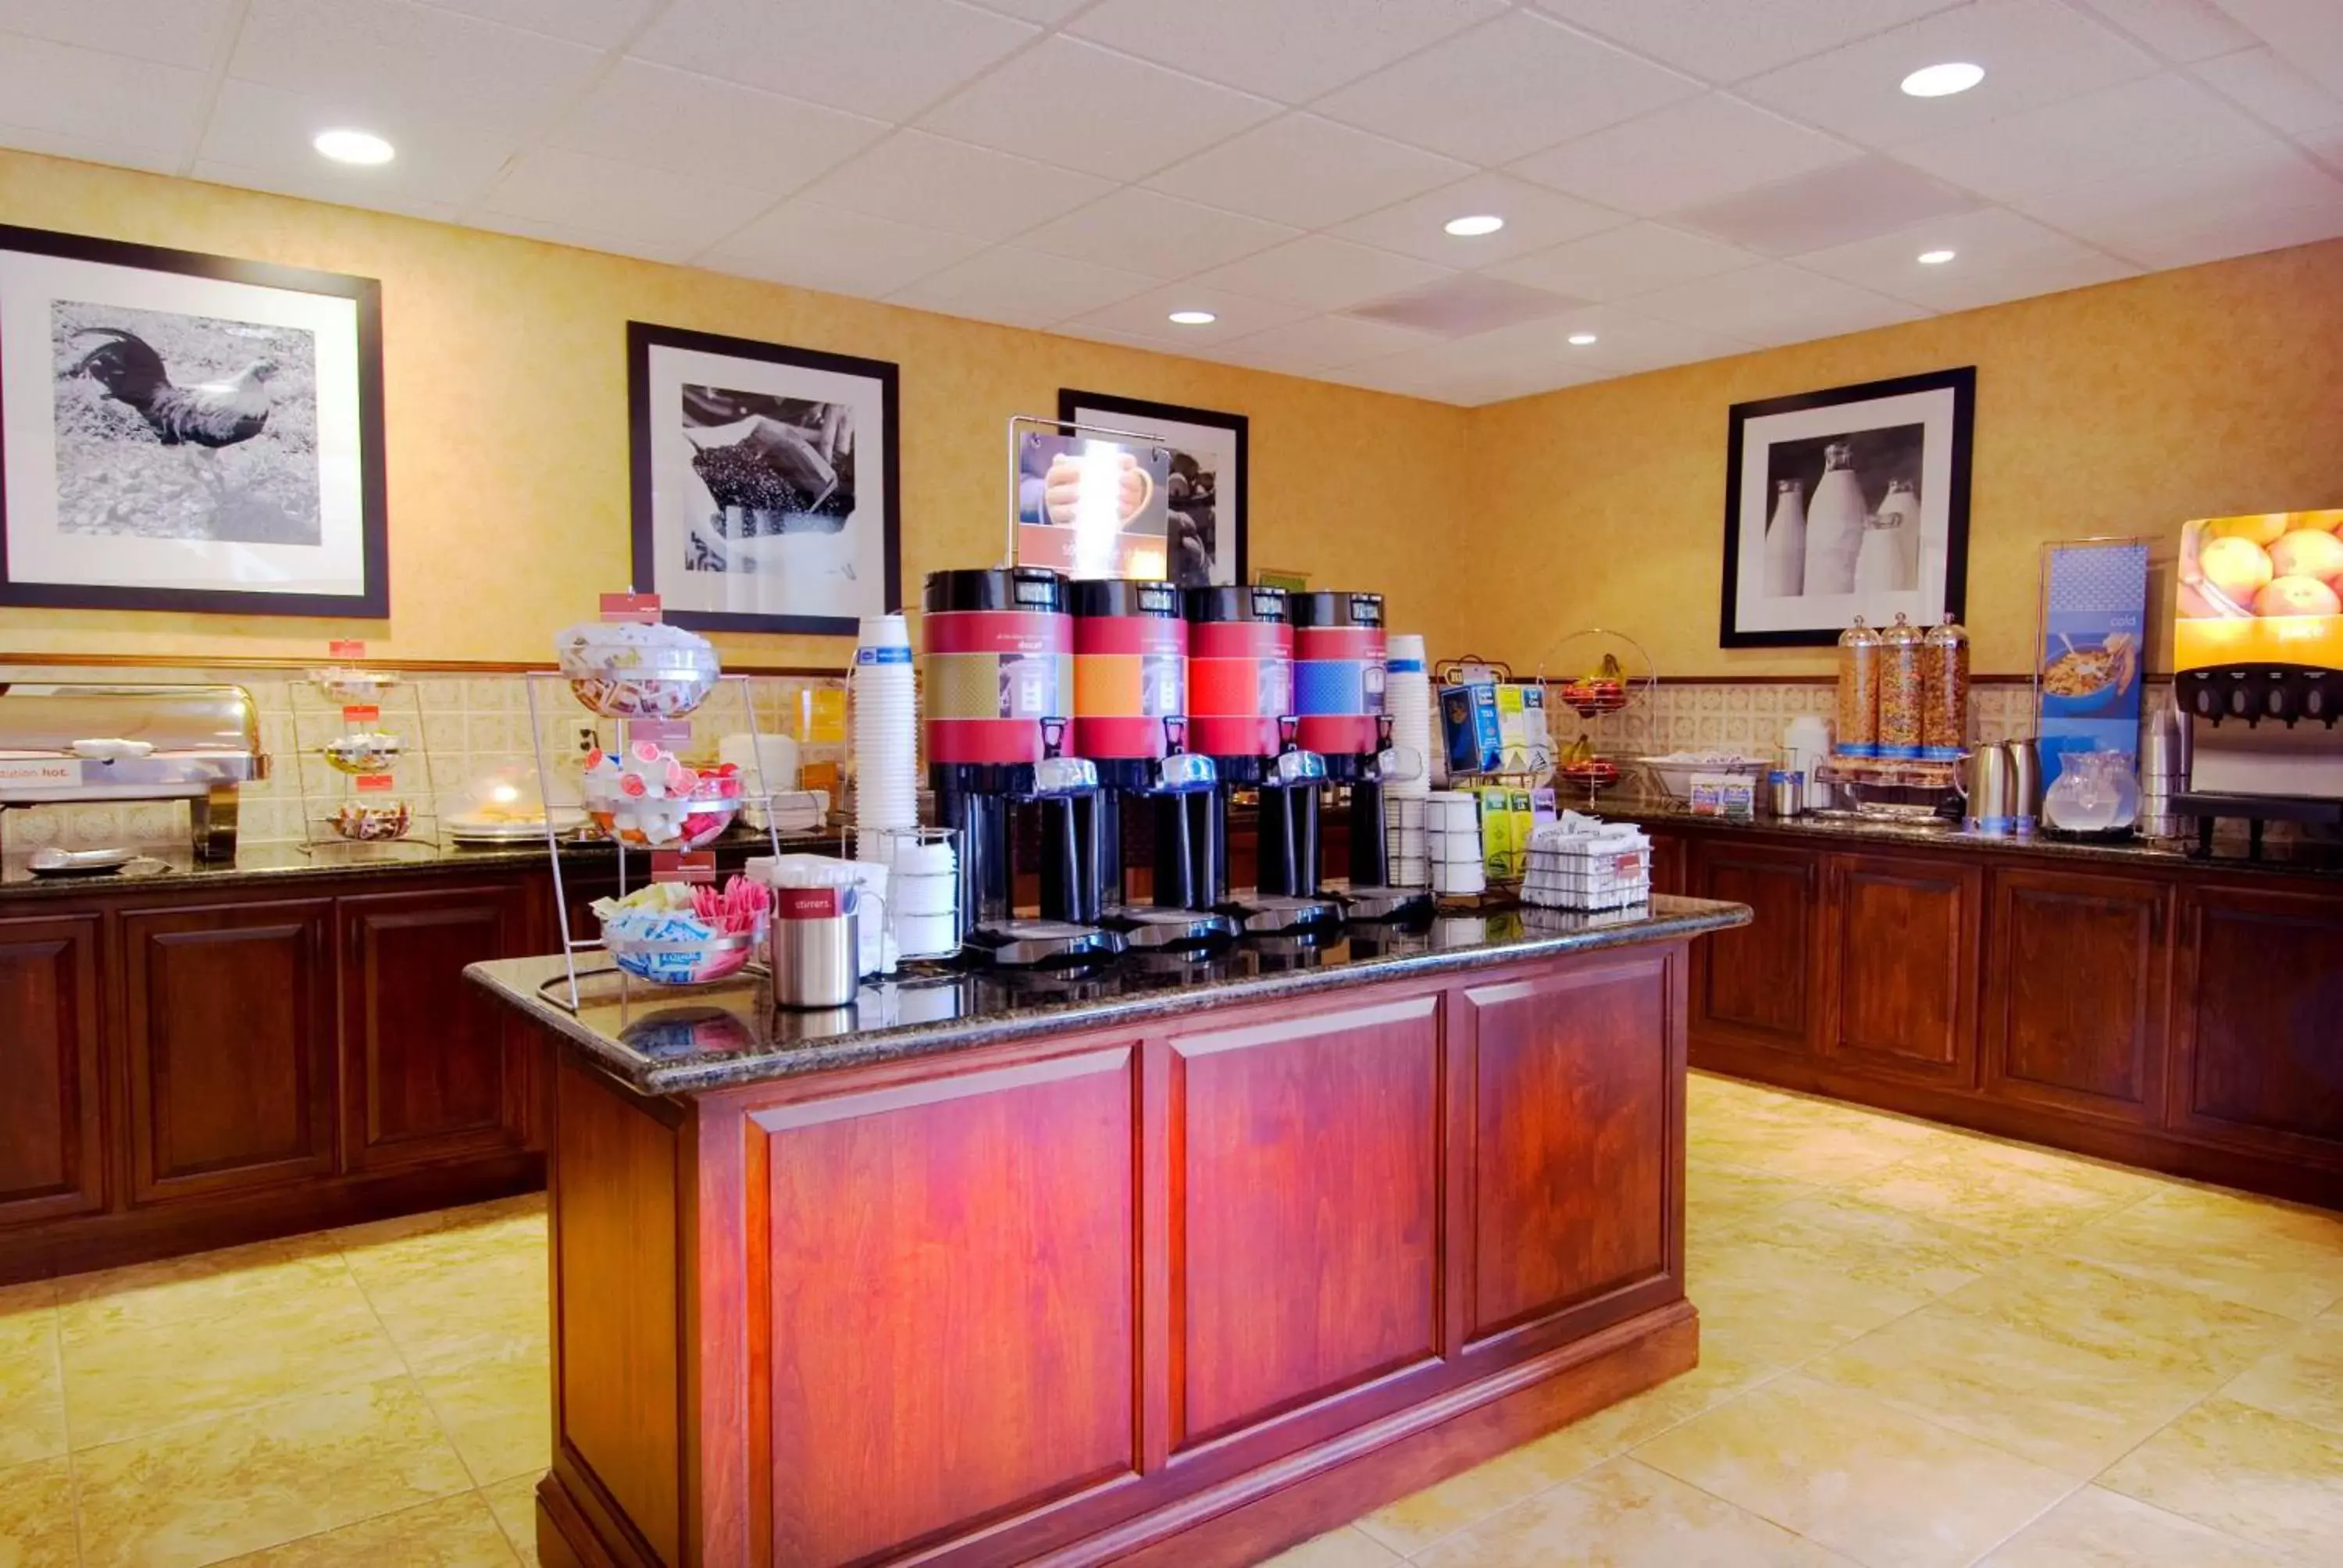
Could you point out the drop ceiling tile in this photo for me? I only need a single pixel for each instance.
(93, 149)
(2155, 120)
(1142, 230)
(1465, 305)
(825, 248)
(1327, 342)
(1020, 288)
(1071, 103)
(269, 129)
(1318, 272)
(657, 209)
(1724, 43)
(1998, 254)
(322, 185)
(185, 33)
(1292, 51)
(2307, 31)
(59, 89)
(1140, 340)
(1628, 343)
(1049, 13)
(2034, 52)
(1505, 90)
(2274, 91)
(601, 23)
(1479, 388)
(2201, 211)
(1535, 218)
(392, 57)
(1632, 260)
(1697, 151)
(1835, 206)
(1308, 172)
(1149, 313)
(1772, 305)
(577, 238)
(931, 182)
(669, 119)
(2178, 30)
(891, 58)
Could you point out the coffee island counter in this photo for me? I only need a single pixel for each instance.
(1170, 1264)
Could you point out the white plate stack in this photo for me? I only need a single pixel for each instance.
(1452, 842)
(885, 738)
(1407, 693)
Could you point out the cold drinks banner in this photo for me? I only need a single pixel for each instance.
(2087, 668)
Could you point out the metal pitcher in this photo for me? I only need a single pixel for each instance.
(817, 944)
(1988, 787)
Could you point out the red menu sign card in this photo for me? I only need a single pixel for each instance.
(374, 783)
(682, 866)
(641, 607)
(346, 647)
(362, 713)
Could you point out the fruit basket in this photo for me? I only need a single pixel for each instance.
(1594, 774)
(626, 670)
(1591, 696)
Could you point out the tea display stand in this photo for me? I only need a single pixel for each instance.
(333, 710)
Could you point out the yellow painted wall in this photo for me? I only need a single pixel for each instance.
(505, 403)
(2121, 409)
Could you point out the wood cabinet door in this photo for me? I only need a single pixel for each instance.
(433, 1068)
(1901, 966)
(1669, 853)
(2076, 971)
(1759, 984)
(52, 1093)
(2258, 1058)
(229, 1019)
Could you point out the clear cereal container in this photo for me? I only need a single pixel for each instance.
(1901, 690)
(1858, 692)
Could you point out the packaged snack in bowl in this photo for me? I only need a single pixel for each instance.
(363, 751)
(349, 685)
(630, 671)
(675, 933)
(371, 821)
(646, 797)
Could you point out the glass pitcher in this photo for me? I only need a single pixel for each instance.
(2096, 792)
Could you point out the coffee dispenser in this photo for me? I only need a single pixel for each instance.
(1131, 685)
(1240, 715)
(997, 688)
(1340, 666)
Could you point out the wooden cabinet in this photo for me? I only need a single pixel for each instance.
(2074, 998)
(228, 1013)
(431, 1068)
(2258, 1056)
(1756, 986)
(1899, 970)
(52, 1090)
(1668, 867)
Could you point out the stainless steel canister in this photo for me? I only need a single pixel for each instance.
(2025, 782)
(1786, 791)
(1991, 789)
(817, 948)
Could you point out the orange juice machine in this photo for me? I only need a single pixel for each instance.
(2257, 668)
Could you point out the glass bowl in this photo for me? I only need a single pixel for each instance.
(363, 753)
(627, 671)
(371, 821)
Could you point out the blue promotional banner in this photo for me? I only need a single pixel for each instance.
(2088, 670)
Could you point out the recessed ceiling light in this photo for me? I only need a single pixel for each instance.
(347, 146)
(1581, 339)
(1936, 257)
(1477, 224)
(1940, 81)
(1193, 318)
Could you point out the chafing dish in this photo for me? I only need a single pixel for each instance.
(65, 743)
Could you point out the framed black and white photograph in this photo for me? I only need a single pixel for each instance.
(1845, 503)
(765, 494)
(1205, 496)
(187, 432)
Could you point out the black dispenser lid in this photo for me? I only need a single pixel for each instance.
(1257, 601)
(1335, 607)
(1124, 597)
(996, 588)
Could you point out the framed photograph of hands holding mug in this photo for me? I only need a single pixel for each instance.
(1203, 495)
(765, 482)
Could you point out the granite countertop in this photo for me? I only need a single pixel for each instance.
(2294, 859)
(719, 1036)
(273, 862)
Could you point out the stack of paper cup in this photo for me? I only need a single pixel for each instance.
(885, 738)
(1407, 694)
(1453, 842)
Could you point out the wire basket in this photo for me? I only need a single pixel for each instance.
(1588, 871)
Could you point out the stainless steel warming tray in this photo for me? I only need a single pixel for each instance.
(61, 743)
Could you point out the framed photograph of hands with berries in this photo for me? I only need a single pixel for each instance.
(188, 432)
(765, 483)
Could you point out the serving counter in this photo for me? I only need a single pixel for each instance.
(2120, 1000)
(1173, 1265)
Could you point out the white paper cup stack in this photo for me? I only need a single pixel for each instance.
(1452, 841)
(925, 910)
(1407, 693)
(886, 734)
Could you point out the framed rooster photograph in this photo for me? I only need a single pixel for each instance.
(188, 432)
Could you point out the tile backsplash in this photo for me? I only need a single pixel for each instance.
(469, 726)
(1692, 716)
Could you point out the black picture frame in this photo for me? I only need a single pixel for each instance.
(1075, 406)
(642, 338)
(1959, 385)
(372, 601)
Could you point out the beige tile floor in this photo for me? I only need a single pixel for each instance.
(1918, 1347)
